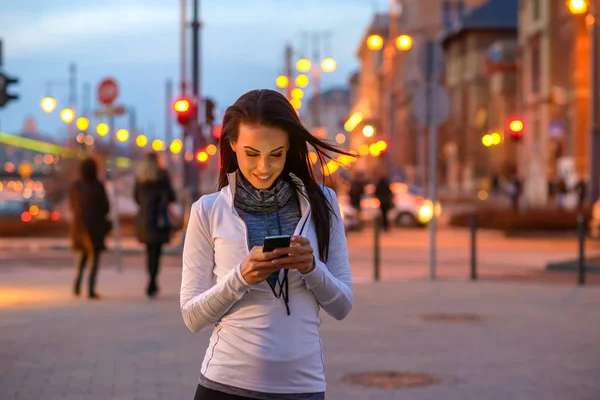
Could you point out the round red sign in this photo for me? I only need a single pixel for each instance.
(107, 91)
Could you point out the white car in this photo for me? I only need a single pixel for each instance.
(410, 209)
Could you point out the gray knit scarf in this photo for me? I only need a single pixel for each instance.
(263, 201)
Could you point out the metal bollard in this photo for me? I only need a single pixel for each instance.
(376, 259)
(581, 242)
(473, 226)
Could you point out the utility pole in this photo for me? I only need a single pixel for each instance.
(168, 121)
(196, 128)
(316, 76)
(289, 55)
(72, 102)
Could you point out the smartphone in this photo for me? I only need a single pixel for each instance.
(271, 243)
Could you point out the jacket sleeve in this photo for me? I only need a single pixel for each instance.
(331, 282)
(203, 301)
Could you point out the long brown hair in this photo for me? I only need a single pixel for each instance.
(271, 108)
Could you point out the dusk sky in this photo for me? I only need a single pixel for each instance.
(137, 42)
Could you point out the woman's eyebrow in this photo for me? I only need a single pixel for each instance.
(258, 151)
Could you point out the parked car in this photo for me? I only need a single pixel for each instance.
(411, 208)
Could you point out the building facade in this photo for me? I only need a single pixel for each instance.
(555, 91)
(480, 76)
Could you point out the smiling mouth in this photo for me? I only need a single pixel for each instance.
(263, 177)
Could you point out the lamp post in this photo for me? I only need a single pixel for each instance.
(590, 7)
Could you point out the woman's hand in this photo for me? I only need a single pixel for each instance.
(300, 256)
(257, 266)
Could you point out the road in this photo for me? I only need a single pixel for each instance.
(404, 255)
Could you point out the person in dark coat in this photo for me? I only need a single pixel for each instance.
(386, 199)
(89, 226)
(153, 193)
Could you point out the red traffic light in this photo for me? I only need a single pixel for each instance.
(184, 110)
(515, 128)
(181, 105)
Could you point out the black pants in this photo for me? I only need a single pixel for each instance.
(384, 219)
(153, 252)
(203, 393)
(94, 256)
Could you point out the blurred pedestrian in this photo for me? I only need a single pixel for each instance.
(581, 190)
(154, 222)
(386, 198)
(357, 190)
(264, 307)
(89, 225)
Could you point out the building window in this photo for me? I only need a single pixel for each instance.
(536, 70)
(536, 9)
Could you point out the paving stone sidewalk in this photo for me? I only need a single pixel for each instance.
(535, 342)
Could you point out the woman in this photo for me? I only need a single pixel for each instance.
(264, 309)
(153, 193)
(89, 207)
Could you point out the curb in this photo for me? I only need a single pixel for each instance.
(592, 266)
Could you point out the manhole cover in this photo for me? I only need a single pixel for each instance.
(391, 379)
(459, 317)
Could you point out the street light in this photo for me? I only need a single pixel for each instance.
(82, 123)
(48, 104)
(297, 93)
(303, 65)
(302, 81)
(122, 135)
(328, 64)
(176, 146)
(374, 42)
(296, 103)
(368, 131)
(67, 115)
(157, 145)
(281, 81)
(404, 42)
(577, 6)
(141, 140)
(102, 129)
(487, 140)
(496, 138)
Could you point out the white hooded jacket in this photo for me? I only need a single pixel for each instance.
(255, 345)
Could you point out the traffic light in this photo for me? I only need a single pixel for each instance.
(210, 112)
(184, 110)
(5, 82)
(515, 128)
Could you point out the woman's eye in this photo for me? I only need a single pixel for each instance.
(277, 155)
(252, 155)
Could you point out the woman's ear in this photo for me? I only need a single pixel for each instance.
(232, 144)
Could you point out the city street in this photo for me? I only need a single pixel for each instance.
(404, 255)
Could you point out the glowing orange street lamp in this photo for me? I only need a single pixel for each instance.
(404, 42)
(577, 6)
(303, 65)
(374, 42)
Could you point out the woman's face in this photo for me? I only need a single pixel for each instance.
(261, 151)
